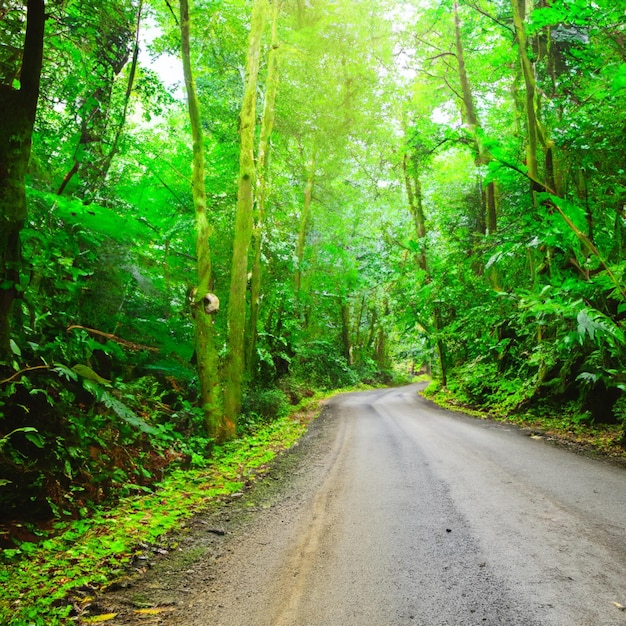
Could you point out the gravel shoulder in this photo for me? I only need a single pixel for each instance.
(203, 558)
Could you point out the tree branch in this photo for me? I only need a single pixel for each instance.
(123, 342)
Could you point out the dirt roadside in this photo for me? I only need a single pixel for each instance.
(162, 580)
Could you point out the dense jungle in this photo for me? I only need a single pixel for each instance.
(212, 212)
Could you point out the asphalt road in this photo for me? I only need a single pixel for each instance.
(399, 513)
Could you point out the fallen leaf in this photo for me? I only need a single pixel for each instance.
(620, 606)
(155, 611)
(96, 619)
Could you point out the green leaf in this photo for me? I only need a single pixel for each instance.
(15, 348)
(619, 80)
(86, 372)
(35, 438)
(119, 408)
(62, 370)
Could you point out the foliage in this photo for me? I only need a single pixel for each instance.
(44, 582)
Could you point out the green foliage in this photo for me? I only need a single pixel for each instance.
(41, 582)
(263, 405)
(99, 395)
(319, 363)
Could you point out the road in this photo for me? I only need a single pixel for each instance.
(397, 512)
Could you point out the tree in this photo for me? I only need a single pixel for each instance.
(235, 366)
(18, 107)
(267, 126)
(204, 303)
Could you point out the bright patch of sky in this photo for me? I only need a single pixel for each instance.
(168, 67)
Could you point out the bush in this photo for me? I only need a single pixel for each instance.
(263, 405)
(319, 364)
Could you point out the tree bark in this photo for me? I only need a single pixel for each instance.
(414, 194)
(206, 353)
(129, 90)
(267, 125)
(532, 128)
(243, 226)
(304, 225)
(18, 108)
(345, 332)
(471, 117)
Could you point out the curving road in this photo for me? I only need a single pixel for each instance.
(399, 513)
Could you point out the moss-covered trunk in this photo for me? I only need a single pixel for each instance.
(532, 128)
(483, 155)
(235, 364)
(17, 112)
(203, 301)
(304, 225)
(267, 125)
(416, 206)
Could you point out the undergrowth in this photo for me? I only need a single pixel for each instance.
(51, 582)
(564, 423)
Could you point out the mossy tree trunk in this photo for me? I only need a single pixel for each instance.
(305, 217)
(17, 112)
(267, 125)
(416, 207)
(202, 300)
(471, 118)
(532, 125)
(345, 332)
(235, 364)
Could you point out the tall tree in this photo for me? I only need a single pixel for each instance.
(18, 107)
(267, 125)
(204, 303)
(471, 117)
(235, 365)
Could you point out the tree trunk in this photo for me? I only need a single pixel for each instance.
(206, 354)
(106, 166)
(359, 321)
(267, 125)
(519, 14)
(18, 108)
(304, 225)
(414, 196)
(414, 193)
(345, 332)
(243, 227)
(471, 117)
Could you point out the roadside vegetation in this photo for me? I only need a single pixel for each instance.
(55, 577)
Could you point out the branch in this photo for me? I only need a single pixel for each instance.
(491, 17)
(452, 89)
(123, 342)
(23, 371)
(443, 54)
(169, 6)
